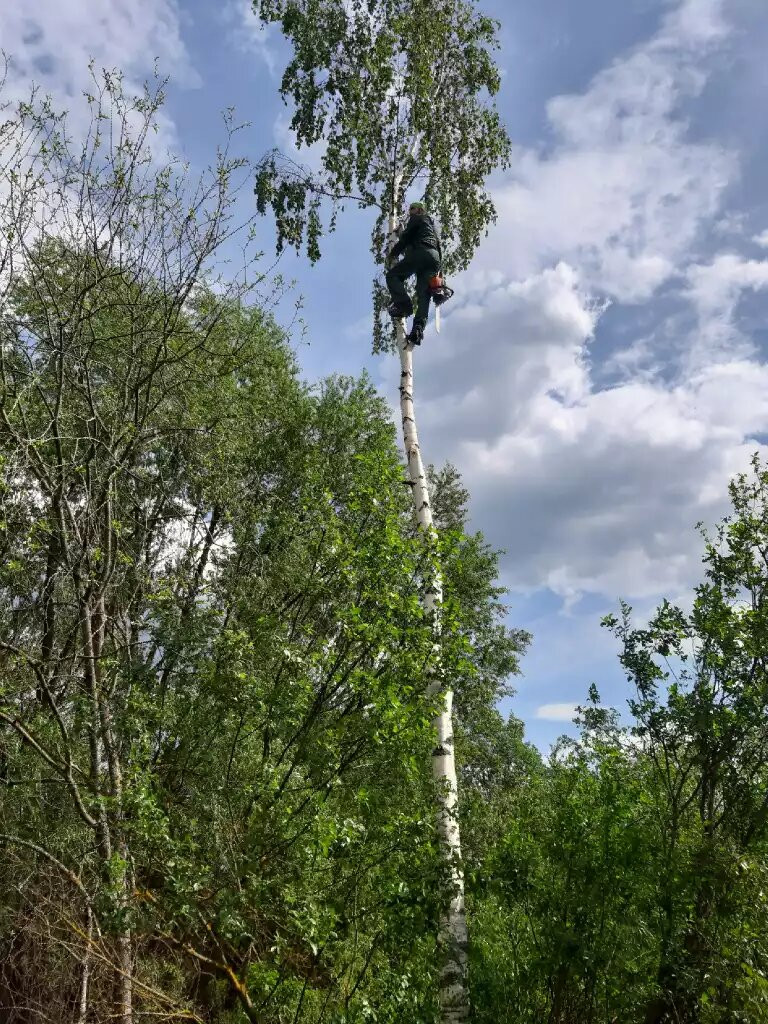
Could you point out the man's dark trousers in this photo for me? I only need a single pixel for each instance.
(422, 262)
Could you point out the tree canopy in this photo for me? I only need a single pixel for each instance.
(216, 673)
(396, 96)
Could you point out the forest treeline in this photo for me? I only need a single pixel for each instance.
(215, 710)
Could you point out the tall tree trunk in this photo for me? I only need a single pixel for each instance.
(123, 993)
(104, 748)
(85, 973)
(454, 991)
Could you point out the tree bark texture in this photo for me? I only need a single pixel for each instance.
(454, 991)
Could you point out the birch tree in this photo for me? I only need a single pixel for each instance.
(398, 96)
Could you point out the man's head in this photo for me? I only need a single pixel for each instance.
(417, 209)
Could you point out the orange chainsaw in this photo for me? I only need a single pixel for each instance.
(439, 292)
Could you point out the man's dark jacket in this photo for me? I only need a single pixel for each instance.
(420, 231)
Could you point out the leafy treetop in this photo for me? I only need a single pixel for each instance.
(398, 96)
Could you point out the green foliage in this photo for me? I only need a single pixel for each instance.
(629, 880)
(399, 97)
(263, 663)
(214, 723)
(215, 668)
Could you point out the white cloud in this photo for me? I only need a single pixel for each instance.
(717, 286)
(249, 33)
(621, 192)
(51, 44)
(695, 22)
(556, 712)
(593, 487)
(588, 489)
(714, 290)
(268, 46)
(518, 337)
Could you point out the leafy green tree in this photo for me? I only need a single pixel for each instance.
(216, 678)
(105, 321)
(702, 697)
(624, 879)
(560, 897)
(396, 94)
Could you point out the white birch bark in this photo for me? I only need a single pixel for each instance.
(85, 973)
(454, 992)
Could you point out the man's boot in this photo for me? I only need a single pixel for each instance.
(417, 333)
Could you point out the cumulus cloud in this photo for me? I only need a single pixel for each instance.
(716, 286)
(621, 191)
(252, 35)
(592, 445)
(556, 712)
(267, 44)
(588, 489)
(51, 45)
(715, 290)
(518, 336)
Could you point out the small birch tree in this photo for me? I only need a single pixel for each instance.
(399, 95)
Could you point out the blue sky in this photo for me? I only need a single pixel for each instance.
(603, 368)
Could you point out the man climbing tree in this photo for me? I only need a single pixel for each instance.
(419, 245)
(401, 97)
(397, 100)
